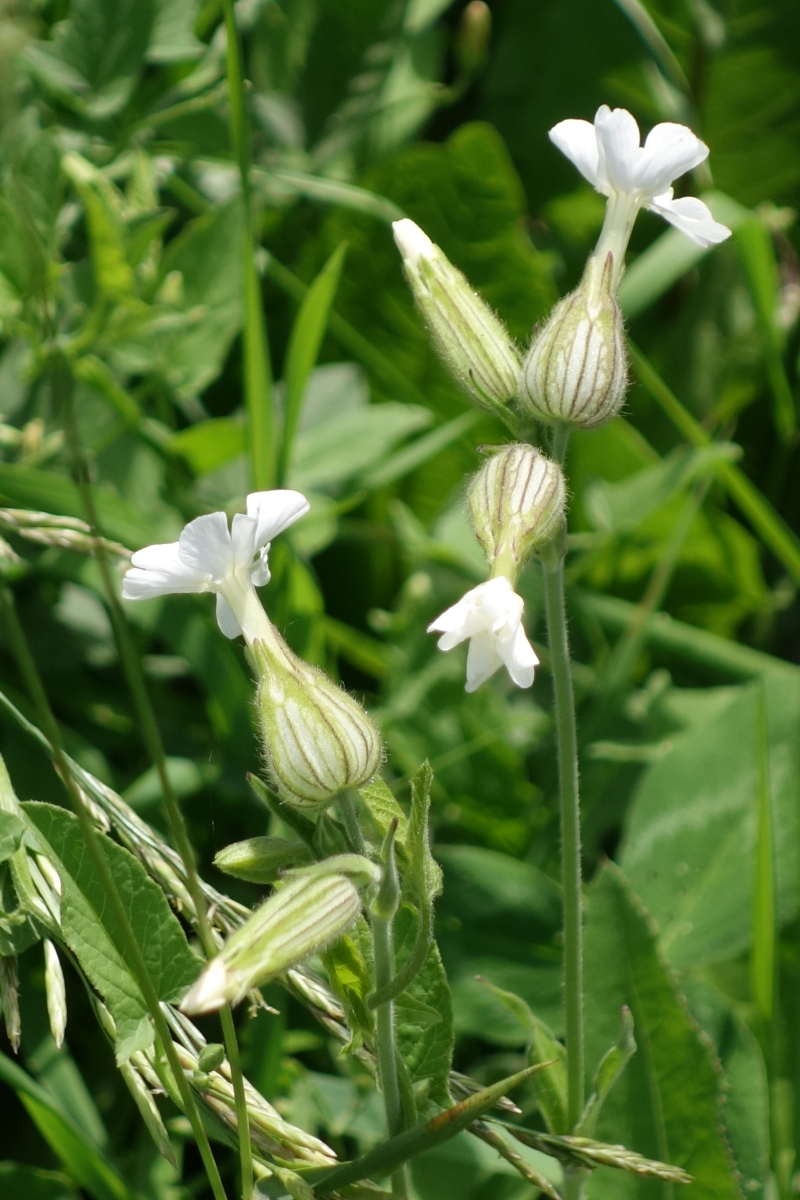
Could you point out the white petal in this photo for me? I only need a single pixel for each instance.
(669, 152)
(243, 540)
(158, 571)
(210, 991)
(692, 217)
(482, 660)
(275, 511)
(519, 657)
(205, 544)
(260, 574)
(578, 141)
(412, 243)
(618, 142)
(455, 618)
(225, 618)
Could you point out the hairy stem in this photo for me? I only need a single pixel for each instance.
(62, 385)
(385, 1041)
(92, 840)
(553, 562)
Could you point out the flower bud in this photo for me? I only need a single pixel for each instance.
(303, 917)
(261, 859)
(576, 369)
(474, 343)
(517, 503)
(55, 992)
(317, 739)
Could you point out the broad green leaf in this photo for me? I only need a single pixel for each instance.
(304, 345)
(11, 831)
(419, 452)
(384, 808)
(422, 864)
(765, 932)
(92, 933)
(341, 448)
(424, 1015)
(210, 444)
(692, 829)
(85, 1163)
(667, 1104)
(93, 62)
(172, 38)
(33, 1184)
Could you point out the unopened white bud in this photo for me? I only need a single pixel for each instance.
(56, 992)
(472, 340)
(9, 994)
(317, 739)
(302, 918)
(517, 503)
(576, 370)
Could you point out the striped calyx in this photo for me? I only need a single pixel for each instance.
(317, 740)
(517, 503)
(576, 370)
(473, 342)
(300, 919)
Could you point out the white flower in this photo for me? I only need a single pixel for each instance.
(633, 176)
(208, 557)
(491, 617)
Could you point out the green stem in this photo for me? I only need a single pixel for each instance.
(151, 736)
(349, 811)
(255, 351)
(385, 1041)
(553, 562)
(33, 682)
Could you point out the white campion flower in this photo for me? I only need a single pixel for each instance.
(609, 154)
(491, 617)
(210, 557)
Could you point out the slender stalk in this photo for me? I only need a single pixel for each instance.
(255, 360)
(151, 736)
(33, 682)
(349, 811)
(567, 741)
(385, 1041)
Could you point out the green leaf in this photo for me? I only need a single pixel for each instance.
(666, 1106)
(93, 62)
(33, 1184)
(692, 829)
(762, 962)
(86, 1164)
(11, 831)
(384, 808)
(210, 444)
(172, 38)
(304, 345)
(91, 931)
(423, 866)
(424, 1015)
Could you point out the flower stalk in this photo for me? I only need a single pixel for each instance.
(567, 749)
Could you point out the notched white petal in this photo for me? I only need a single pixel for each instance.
(692, 217)
(275, 511)
(490, 615)
(577, 140)
(205, 544)
(669, 151)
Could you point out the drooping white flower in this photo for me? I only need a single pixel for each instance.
(491, 617)
(209, 557)
(609, 154)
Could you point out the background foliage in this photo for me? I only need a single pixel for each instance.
(120, 235)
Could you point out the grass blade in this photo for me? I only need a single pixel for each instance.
(304, 343)
(406, 1145)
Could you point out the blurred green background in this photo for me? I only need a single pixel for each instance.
(120, 233)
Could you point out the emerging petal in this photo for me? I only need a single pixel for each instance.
(618, 143)
(692, 217)
(578, 141)
(669, 152)
(519, 658)
(226, 618)
(482, 660)
(205, 544)
(159, 571)
(275, 511)
(243, 541)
